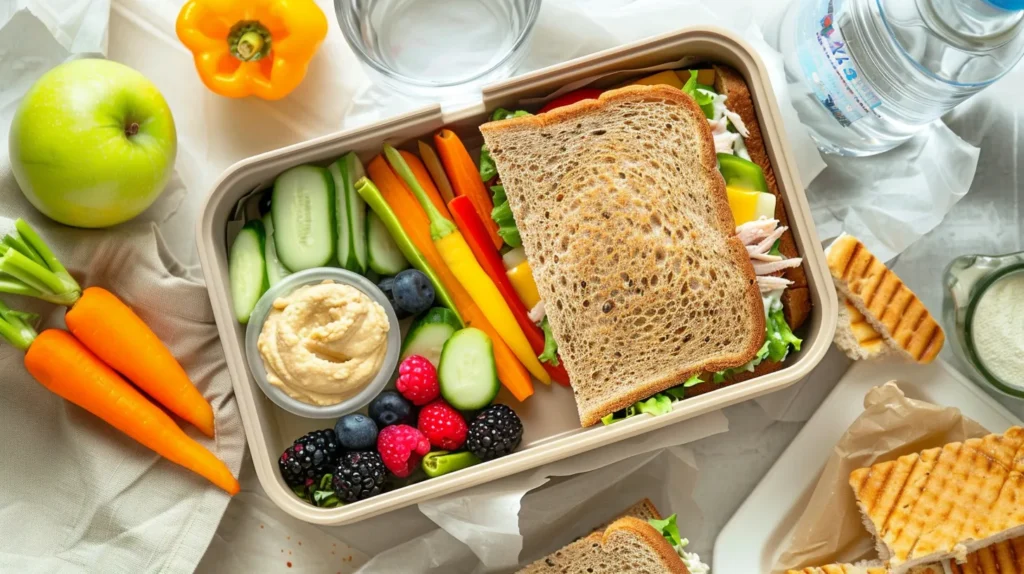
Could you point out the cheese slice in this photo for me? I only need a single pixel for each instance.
(748, 206)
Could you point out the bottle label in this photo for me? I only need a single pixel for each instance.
(828, 67)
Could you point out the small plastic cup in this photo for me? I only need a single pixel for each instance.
(287, 286)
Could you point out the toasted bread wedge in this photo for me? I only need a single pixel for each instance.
(628, 544)
(887, 304)
(840, 569)
(626, 225)
(944, 503)
(1006, 557)
(644, 510)
(855, 336)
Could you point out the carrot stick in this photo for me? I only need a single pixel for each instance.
(66, 367)
(423, 177)
(433, 164)
(473, 230)
(414, 220)
(465, 179)
(112, 331)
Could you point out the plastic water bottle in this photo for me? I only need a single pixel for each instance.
(874, 72)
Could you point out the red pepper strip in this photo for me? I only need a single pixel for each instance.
(571, 98)
(475, 234)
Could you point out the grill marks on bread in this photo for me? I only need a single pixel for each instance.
(626, 225)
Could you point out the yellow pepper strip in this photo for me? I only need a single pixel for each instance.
(521, 277)
(252, 47)
(460, 261)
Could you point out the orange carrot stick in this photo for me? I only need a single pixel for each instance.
(423, 177)
(465, 179)
(414, 220)
(66, 367)
(112, 331)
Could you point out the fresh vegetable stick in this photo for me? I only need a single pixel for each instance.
(375, 199)
(105, 324)
(67, 368)
(134, 350)
(460, 261)
(465, 179)
(423, 177)
(433, 164)
(473, 231)
(511, 372)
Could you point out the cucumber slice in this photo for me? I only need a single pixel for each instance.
(247, 270)
(428, 334)
(303, 206)
(468, 374)
(385, 257)
(276, 271)
(350, 213)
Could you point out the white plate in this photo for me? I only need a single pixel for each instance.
(753, 538)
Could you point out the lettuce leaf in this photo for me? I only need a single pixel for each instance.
(502, 215)
(487, 168)
(780, 337)
(699, 92)
(667, 528)
(659, 404)
(550, 354)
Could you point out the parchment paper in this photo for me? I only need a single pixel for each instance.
(830, 529)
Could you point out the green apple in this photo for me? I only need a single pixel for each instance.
(92, 143)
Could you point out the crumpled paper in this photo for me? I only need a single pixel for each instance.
(562, 512)
(830, 529)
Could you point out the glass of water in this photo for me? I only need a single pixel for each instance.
(438, 48)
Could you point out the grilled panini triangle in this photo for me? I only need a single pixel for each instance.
(625, 222)
(944, 502)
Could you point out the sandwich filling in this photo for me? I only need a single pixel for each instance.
(670, 530)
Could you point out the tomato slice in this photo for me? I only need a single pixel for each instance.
(571, 98)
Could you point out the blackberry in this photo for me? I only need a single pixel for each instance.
(359, 475)
(495, 432)
(309, 458)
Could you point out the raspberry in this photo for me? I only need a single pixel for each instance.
(417, 380)
(401, 447)
(443, 425)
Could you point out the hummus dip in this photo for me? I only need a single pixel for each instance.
(324, 343)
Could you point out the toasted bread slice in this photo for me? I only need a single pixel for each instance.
(1006, 557)
(644, 510)
(888, 305)
(626, 225)
(796, 301)
(628, 544)
(855, 336)
(944, 503)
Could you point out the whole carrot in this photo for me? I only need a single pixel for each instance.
(104, 324)
(66, 367)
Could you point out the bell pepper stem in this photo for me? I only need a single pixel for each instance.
(439, 226)
(249, 41)
(15, 328)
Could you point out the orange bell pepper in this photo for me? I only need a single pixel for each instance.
(252, 47)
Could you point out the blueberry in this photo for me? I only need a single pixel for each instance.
(387, 285)
(390, 408)
(356, 432)
(413, 291)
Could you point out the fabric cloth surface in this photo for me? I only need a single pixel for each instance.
(78, 495)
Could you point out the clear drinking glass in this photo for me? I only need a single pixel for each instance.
(437, 48)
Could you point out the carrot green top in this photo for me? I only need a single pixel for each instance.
(28, 267)
(16, 326)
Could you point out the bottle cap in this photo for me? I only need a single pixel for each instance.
(1007, 4)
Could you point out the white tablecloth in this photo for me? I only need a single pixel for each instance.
(215, 132)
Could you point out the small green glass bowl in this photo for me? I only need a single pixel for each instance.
(967, 279)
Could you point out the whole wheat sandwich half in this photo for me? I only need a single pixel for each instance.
(944, 503)
(639, 541)
(888, 306)
(625, 221)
